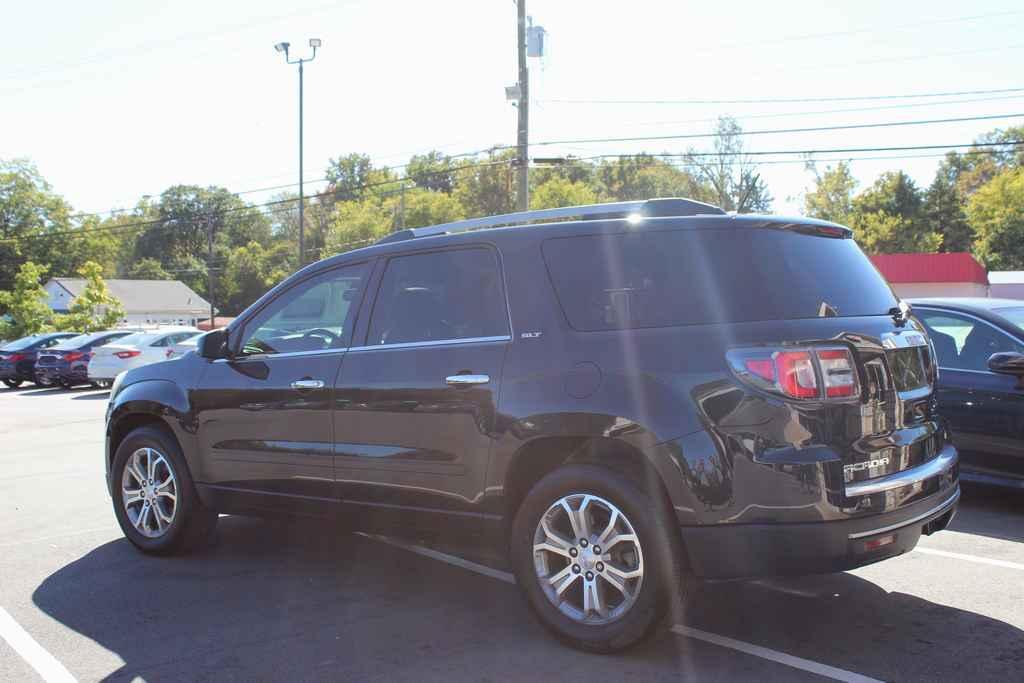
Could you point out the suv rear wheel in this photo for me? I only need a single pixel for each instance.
(12, 383)
(154, 498)
(595, 559)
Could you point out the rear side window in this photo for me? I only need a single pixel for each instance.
(692, 277)
(439, 296)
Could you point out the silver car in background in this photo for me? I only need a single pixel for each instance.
(135, 350)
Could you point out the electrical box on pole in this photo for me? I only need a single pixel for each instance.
(536, 41)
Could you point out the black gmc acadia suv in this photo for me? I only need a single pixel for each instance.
(649, 395)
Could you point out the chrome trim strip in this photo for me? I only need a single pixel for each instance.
(437, 342)
(287, 354)
(937, 509)
(934, 467)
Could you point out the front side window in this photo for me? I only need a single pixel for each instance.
(963, 343)
(438, 296)
(314, 315)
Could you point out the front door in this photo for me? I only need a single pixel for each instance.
(265, 428)
(416, 403)
(984, 409)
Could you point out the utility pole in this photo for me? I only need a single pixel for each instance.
(523, 129)
(283, 47)
(209, 264)
(302, 199)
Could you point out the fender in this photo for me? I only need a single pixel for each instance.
(161, 399)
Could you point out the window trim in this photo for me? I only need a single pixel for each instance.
(379, 277)
(950, 311)
(235, 338)
(434, 342)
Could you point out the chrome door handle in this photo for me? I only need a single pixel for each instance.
(466, 380)
(308, 384)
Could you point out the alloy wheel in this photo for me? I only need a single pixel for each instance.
(588, 559)
(149, 492)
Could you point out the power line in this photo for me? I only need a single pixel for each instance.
(695, 136)
(792, 100)
(246, 207)
(842, 150)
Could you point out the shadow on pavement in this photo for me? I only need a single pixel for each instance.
(985, 510)
(273, 600)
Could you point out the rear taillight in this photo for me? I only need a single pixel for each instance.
(808, 373)
(75, 355)
(127, 354)
(16, 357)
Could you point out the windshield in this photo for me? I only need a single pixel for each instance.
(1014, 314)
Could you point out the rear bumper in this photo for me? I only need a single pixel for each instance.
(761, 550)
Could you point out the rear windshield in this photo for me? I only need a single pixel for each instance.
(691, 277)
(19, 344)
(74, 342)
(137, 339)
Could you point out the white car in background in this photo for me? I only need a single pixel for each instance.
(135, 350)
(181, 348)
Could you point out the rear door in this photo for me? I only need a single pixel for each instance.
(985, 409)
(416, 402)
(265, 429)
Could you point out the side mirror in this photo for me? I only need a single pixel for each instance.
(213, 344)
(1008, 363)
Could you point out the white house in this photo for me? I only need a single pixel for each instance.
(146, 302)
(1006, 284)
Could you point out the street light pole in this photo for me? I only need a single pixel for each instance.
(283, 47)
(523, 125)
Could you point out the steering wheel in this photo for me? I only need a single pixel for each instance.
(327, 335)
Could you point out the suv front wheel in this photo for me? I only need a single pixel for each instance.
(154, 498)
(595, 558)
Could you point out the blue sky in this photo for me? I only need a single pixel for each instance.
(115, 99)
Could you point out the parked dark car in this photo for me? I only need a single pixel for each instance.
(980, 348)
(18, 358)
(657, 392)
(67, 363)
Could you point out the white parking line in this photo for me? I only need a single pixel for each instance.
(45, 664)
(970, 558)
(774, 655)
(687, 631)
(444, 557)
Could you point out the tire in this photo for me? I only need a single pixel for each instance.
(42, 384)
(657, 554)
(191, 524)
(64, 383)
(12, 383)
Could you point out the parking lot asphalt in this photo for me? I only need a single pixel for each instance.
(273, 601)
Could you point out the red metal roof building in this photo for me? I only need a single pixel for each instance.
(952, 274)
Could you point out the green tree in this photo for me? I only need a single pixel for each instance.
(418, 207)
(28, 209)
(26, 304)
(558, 192)
(643, 176)
(831, 199)
(943, 213)
(486, 187)
(888, 217)
(996, 212)
(356, 224)
(431, 171)
(880, 232)
(252, 270)
(734, 180)
(95, 308)
(148, 269)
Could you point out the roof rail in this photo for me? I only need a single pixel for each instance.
(649, 207)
